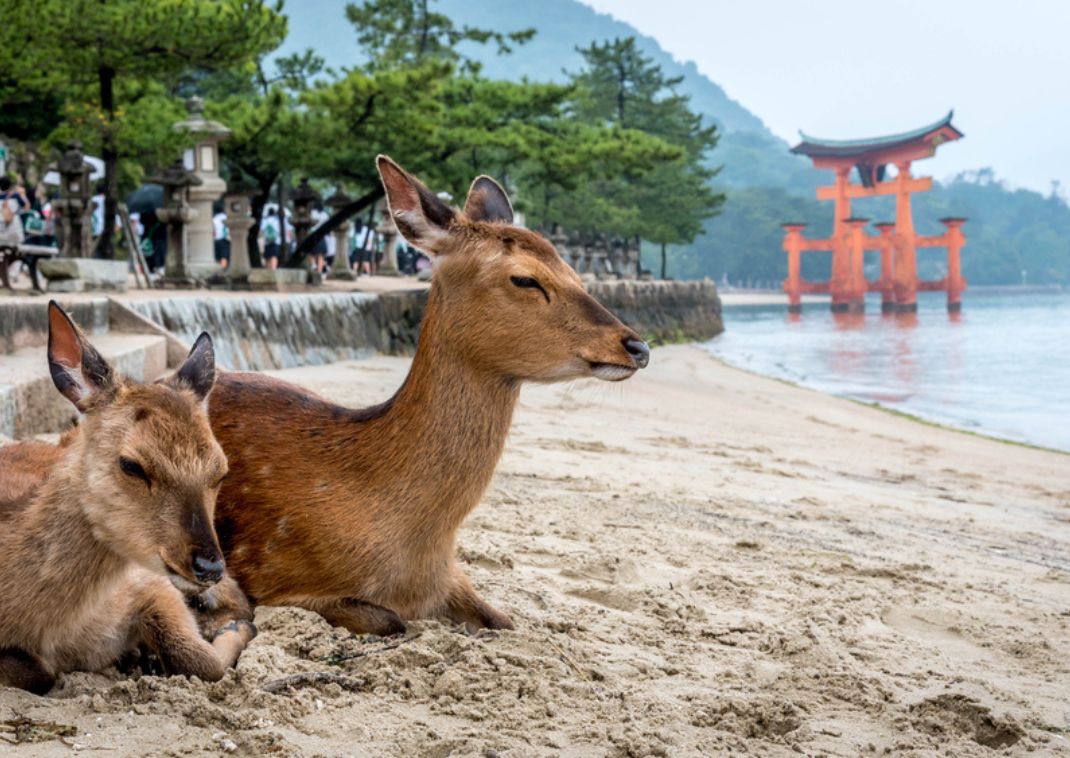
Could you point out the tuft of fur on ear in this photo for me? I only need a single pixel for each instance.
(198, 371)
(419, 214)
(78, 370)
(487, 201)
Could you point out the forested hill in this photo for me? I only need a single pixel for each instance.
(749, 152)
(561, 26)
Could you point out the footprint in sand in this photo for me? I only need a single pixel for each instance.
(935, 627)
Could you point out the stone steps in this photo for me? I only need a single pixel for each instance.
(29, 402)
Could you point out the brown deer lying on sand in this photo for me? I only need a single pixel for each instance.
(353, 513)
(93, 554)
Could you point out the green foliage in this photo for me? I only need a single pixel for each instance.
(141, 129)
(666, 200)
(396, 33)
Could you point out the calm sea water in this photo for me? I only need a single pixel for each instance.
(1001, 367)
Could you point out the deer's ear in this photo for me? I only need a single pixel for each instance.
(418, 213)
(487, 201)
(198, 371)
(78, 370)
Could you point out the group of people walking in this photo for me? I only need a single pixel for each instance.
(277, 241)
(26, 217)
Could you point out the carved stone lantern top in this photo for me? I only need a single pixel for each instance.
(73, 160)
(303, 197)
(175, 176)
(176, 181)
(198, 125)
(203, 157)
(339, 199)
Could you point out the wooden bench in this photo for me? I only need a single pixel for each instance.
(30, 255)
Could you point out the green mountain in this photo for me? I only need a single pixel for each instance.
(748, 151)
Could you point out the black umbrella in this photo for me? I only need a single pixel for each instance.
(145, 199)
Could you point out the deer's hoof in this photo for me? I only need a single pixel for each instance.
(247, 629)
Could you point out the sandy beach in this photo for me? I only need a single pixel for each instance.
(699, 561)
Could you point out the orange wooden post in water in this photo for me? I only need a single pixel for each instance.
(793, 247)
(885, 283)
(956, 240)
(853, 294)
(906, 255)
(898, 246)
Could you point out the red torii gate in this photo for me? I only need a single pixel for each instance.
(897, 242)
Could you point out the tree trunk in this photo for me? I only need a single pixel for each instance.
(110, 154)
(664, 262)
(328, 226)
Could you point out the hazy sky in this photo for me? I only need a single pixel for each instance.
(858, 68)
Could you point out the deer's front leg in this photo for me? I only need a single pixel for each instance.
(465, 606)
(170, 631)
(358, 616)
(20, 669)
(218, 606)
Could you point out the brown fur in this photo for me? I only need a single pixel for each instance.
(90, 553)
(353, 514)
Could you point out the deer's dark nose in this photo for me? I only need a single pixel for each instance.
(208, 569)
(639, 351)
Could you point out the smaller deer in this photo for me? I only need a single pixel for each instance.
(95, 555)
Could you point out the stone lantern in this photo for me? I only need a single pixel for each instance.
(616, 257)
(303, 198)
(75, 205)
(389, 234)
(178, 213)
(239, 222)
(202, 160)
(340, 268)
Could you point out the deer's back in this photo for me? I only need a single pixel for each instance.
(24, 467)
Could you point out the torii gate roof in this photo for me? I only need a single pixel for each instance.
(927, 138)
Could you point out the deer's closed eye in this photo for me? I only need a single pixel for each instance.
(526, 282)
(133, 469)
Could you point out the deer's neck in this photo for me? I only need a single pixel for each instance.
(442, 436)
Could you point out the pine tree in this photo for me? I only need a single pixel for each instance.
(101, 54)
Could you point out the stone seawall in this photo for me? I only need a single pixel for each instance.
(25, 324)
(261, 333)
(268, 332)
(664, 312)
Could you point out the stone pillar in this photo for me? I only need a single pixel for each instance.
(629, 261)
(615, 258)
(599, 255)
(75, 205)
(202, 160)
(340, 269)
(177, 213)
(239, 222)
(575, 252)
(303, 198)
(587, 258)
(389, 233)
